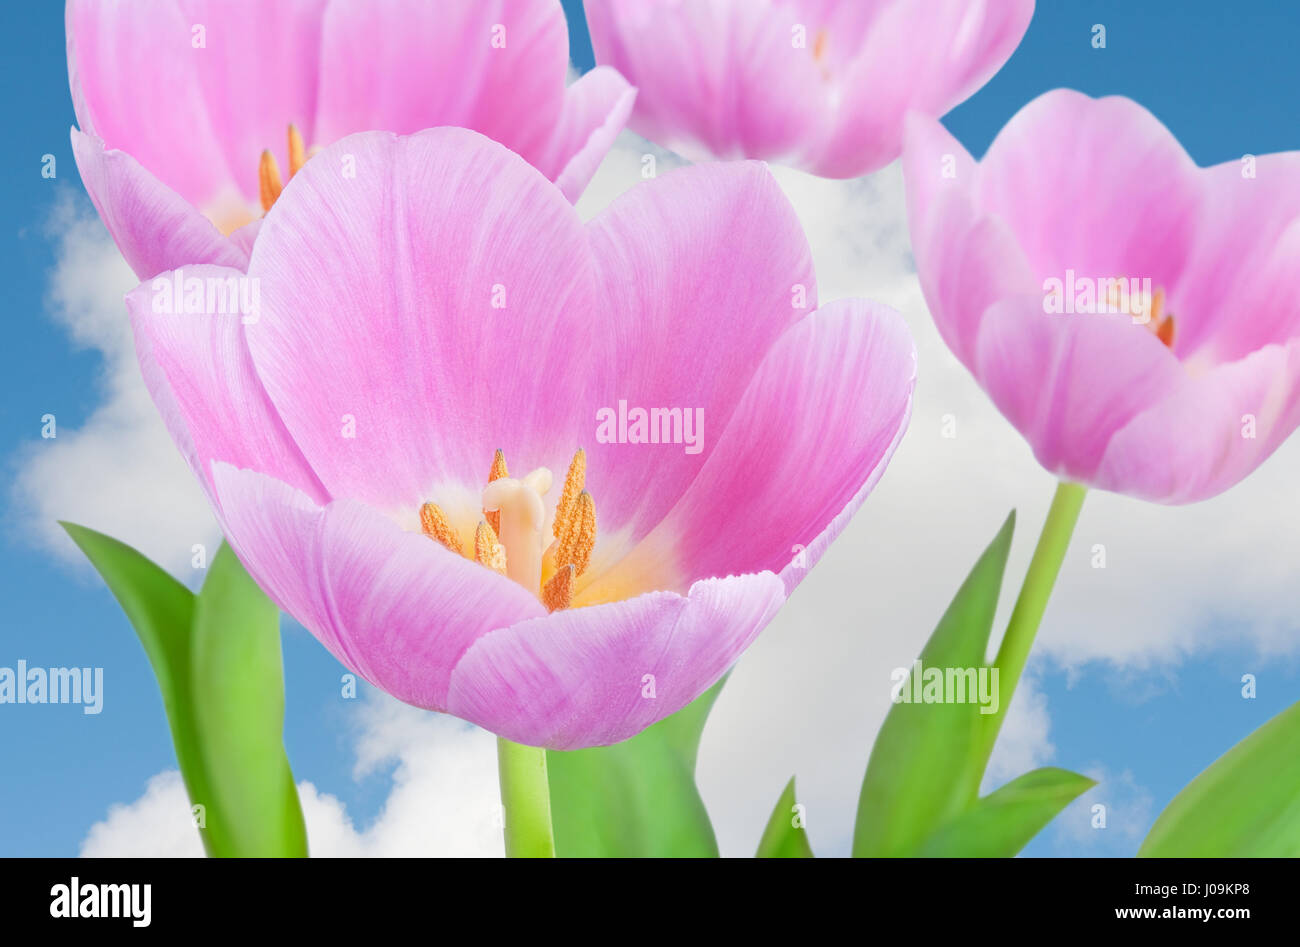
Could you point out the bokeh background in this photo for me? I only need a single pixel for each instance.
(1137, 673)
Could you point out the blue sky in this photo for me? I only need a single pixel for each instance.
(1221, 76)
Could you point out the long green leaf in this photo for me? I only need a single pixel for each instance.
(785, 835)
(637, 798)
(1246, 804)
(224, 752)
(161, 611)
(924, 769)
(238, 692)
(1003, 822)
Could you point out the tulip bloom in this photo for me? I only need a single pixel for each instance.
(452, 441)
(195, 113)
(1136, 317)
(822, 85)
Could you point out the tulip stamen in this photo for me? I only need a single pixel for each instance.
(434, 524)
(820, 46)
(496, 473)
(574, 482)
(508, 540)
(575, 546)
(269, 182)
(488, 550)
(297, 152)
(558, 593)
(1152, 308)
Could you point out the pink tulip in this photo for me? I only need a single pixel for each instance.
(1136, 317)
(194, 113)
(448, 302)
(819, 84)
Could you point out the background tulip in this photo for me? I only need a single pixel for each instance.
(1172, 393)
(819, 84)
(195, 113)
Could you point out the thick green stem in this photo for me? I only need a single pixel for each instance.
(1044, 567)
(526, 799)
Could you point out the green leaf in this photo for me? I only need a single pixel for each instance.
(161, 611)
(1003, 822)
(238, 687)
(637, 798)
(197, 652)
(925, 766)
(782, 838)
(1245, 805)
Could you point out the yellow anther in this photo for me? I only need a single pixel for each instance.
(558, 592)
(820, 45)
(297, 151)
(574, 481)
(1165, 331)
(488, 550)
(496, 473)
(433, 523)
(579, 539)
(268, 180)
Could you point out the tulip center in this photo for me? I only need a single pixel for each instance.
(510, 538)
(268, 171)
(1146, 308)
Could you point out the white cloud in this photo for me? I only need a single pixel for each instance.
(444, 799)
(1117, 830)
(119, 472)
(809, 696)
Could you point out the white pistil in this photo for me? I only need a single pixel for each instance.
(523, 516)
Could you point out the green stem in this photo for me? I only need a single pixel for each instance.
(1044, 567)
(526, 798)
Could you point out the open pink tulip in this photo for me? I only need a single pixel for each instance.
(1137, 318)
(448, 302)
(822, 85)
(194, 113)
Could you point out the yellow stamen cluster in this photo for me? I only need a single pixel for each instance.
(268, 171)
(574, 529)
(1159, 322)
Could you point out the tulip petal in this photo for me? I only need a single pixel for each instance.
(713, 79)
(154, 227)
(421, 310)
(159, 113)
(394, 606)
(1071, 176)
(496, 66)
(595, 676)
(1210, 432)
(199, 372)
(966, 260)
(923, 55)
(1068, 382)
(596, 108)
(810, 438)
(702, 271)
(1239, 294)
(258, 72)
